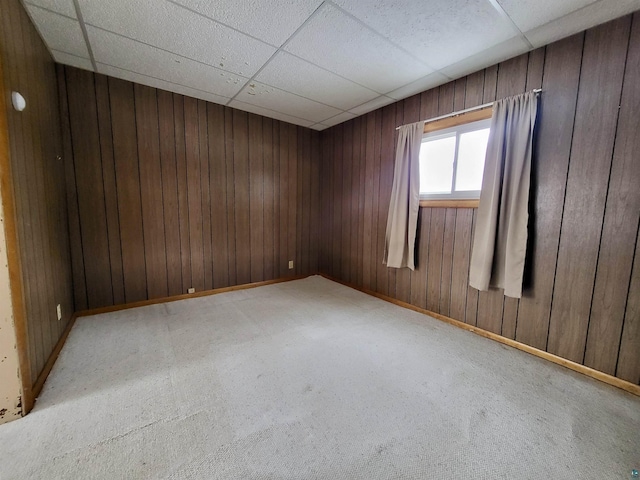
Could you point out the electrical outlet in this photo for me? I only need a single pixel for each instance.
(59, 312)
(191, 290)
(290, 264)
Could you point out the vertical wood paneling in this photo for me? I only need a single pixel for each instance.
(205, 191)
(206, 196)
(90, 187)
(170, 207)
(183, 201)
(231, 205)
(241, 196)
(291, 199)
(194, 192)
(345, 249)
(628, 359)
(447, 260)
(594, 131)
(125, 152)
(434, 268)
(110, 189)
(268, 197)
(548, 181)
(594, 289)
(460, 266)
(368, 267)
(37, 177)
(218, 195)
(151, 191)
(620, 223)
(256, 201)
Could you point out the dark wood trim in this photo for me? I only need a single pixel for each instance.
(576, 367)
(13, 253)
(174, 298)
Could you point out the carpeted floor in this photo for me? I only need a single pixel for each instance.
(311, 380)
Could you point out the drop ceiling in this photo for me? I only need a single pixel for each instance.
(309, 62)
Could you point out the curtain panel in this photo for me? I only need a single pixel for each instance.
(500, 240)
(402, 221)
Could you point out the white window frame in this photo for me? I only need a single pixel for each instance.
(457, 131)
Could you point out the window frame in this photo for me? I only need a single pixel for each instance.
(460, 123)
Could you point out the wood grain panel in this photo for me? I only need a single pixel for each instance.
(345, 248)
(110, 189)
(256, 198)
(205, 192)
(447, 261)
(628, 359)
(34, 195)
(125, 153)
(594, 131)
(552, 147)
(241, 196)
(183, 201)
(218, 195)
(170, 207)
(434, 268)
(153, 225)
(230, 211)
(620, 227)
(206, 195)
(194, 192)
(460, 265)
(90, 190)
(269, 190)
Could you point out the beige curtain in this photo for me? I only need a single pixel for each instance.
(500, 240)
(402, 221)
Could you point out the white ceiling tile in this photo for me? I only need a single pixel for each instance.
(337, 42)
(111, 49)
(272, 21)
(161, 84)
(269, 113)
(63, 7)
(497, 53)
(297, 76)
(72, 60)
(420, 85)
(60, 33)
(528, 14)
(439, 32)
(173, 28)
(575, 22)
(343, 117)
(374, 104)
(319, 127)
(275, 99)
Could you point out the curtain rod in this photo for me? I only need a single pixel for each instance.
(466, 110)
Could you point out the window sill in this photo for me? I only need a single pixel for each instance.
(446, 203)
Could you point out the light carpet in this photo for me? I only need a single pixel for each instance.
(311, 380)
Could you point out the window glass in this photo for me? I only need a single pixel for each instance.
(452, 161)
(436, 164)
(471, 153)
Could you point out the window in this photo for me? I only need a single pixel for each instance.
(452, 161)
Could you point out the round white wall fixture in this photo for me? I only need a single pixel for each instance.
(19, 103)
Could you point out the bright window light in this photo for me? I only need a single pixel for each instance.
(452, 161)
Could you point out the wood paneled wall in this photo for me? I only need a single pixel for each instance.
(582, 291)
(38, 184)
(167, 192)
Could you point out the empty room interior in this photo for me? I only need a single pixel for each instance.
(346, 239)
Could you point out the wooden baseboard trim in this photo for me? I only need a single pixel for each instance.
(175, 298)
(576, 367)
(37, 387)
